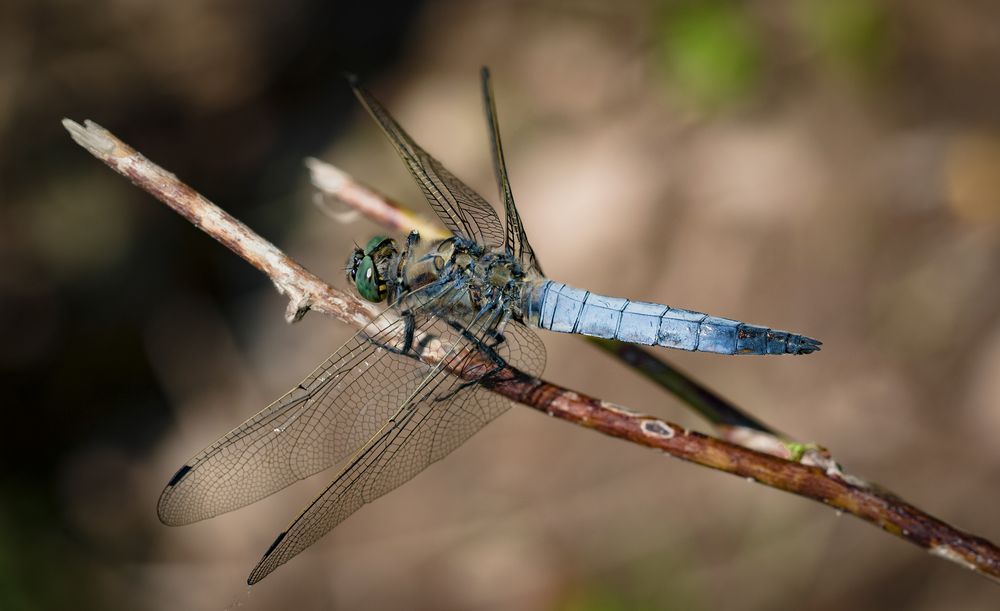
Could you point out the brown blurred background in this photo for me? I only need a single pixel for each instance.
(829, 167)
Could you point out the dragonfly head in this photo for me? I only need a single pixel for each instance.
(368, 268)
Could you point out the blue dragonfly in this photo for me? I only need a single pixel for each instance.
(412, 385)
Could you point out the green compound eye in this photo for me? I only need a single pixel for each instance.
(369, 285)
(374, 243)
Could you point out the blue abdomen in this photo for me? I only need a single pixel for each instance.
(558, 307)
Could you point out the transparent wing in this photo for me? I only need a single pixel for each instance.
(515, 239)
(523, 349)
(444, 412)
(461, 209)
(312, 427)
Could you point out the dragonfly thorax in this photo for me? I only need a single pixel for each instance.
(486, 278)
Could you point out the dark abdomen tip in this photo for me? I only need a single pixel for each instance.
(800, 344)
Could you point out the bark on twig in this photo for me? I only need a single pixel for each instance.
(828, 484)
(304, 290)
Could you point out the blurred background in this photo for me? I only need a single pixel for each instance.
(828, 167)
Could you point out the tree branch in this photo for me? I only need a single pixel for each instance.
(828, 485)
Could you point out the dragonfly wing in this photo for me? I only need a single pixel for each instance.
(312, 427)
(441, 415)
(461, 209)
(515, 238)
(522, 348)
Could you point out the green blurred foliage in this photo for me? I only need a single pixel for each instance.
(80, 225)
(39, 568)
(713, 54)
(598, 598)
(852, 36)
(654, 581)
(710, 51)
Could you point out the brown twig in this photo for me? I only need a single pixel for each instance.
(305, 291)
(374, 205)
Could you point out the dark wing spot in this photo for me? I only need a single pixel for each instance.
(179, 475)
(275, 544)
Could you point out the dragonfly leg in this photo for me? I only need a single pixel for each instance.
(497, 337)
(488, 350)
(411, 240)
(408, 329)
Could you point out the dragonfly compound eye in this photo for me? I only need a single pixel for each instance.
(368, 282)
(352, 264)
(375, 243)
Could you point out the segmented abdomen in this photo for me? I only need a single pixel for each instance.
(557, 307)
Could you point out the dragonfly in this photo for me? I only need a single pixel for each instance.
(412, 385)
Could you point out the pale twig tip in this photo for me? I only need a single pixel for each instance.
(92, 137)
(325, 176)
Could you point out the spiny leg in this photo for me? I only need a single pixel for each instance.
(489, 350)
(409, 326)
